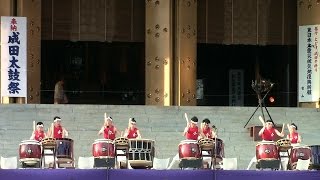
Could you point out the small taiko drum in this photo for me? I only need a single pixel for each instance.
(299, 152)
(206, 144)
(29, 151)
(284, 145)
(48, 143)
(121, 143)
(103, 148)
(267, 150)
(189, 149)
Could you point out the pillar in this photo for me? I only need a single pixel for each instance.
(185, 53)
(32, 10)
(158, 52)
(170, 47)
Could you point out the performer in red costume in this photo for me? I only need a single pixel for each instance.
(192, 131)
(132, 131)
(57, 130)
(206, 130)
(293, 135)
(108, 130)
(39, 133)
(268, 131)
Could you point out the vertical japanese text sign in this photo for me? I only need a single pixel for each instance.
(13, 56)
(309, 75)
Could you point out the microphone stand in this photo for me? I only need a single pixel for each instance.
(215, 149)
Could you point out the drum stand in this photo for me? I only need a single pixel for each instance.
(285, 155)
(33, 165)
(214, 161)
(261, 103)
(65, 163)
(195, 163)
(125, 149)
(210, 155)
(268, 164)
(105, 162)
(52, 153)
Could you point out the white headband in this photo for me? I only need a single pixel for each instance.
(108, 118)
(40, 125)
(58, 119)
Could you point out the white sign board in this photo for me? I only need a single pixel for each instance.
(308, 63)
(13, 56)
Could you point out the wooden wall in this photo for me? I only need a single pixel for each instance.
(250, 22)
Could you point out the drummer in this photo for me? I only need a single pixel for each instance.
(39, 133)
(132, 132)
(206, 130)
(192, 131)
(268, 131)
(108, 130)
(57, 130)
(293, 135)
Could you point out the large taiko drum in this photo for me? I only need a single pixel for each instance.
(189, 149)
(64, 149)
(315, 156)
(29, 151)
(299, 152)
(103, 148)
(267, 150)
(141, 153)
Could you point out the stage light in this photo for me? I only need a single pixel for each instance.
(271, 99)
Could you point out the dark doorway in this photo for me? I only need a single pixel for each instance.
(94, 72)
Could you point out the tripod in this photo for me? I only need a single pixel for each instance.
(261, 104)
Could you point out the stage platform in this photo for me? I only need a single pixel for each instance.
(139, 174)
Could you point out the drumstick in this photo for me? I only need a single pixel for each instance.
(52, 130)
(129, 123)
(262, 120)
(105, 115)
(186, 117)
(282, 128)
(121, 133)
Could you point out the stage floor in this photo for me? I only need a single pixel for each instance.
(137, 174)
